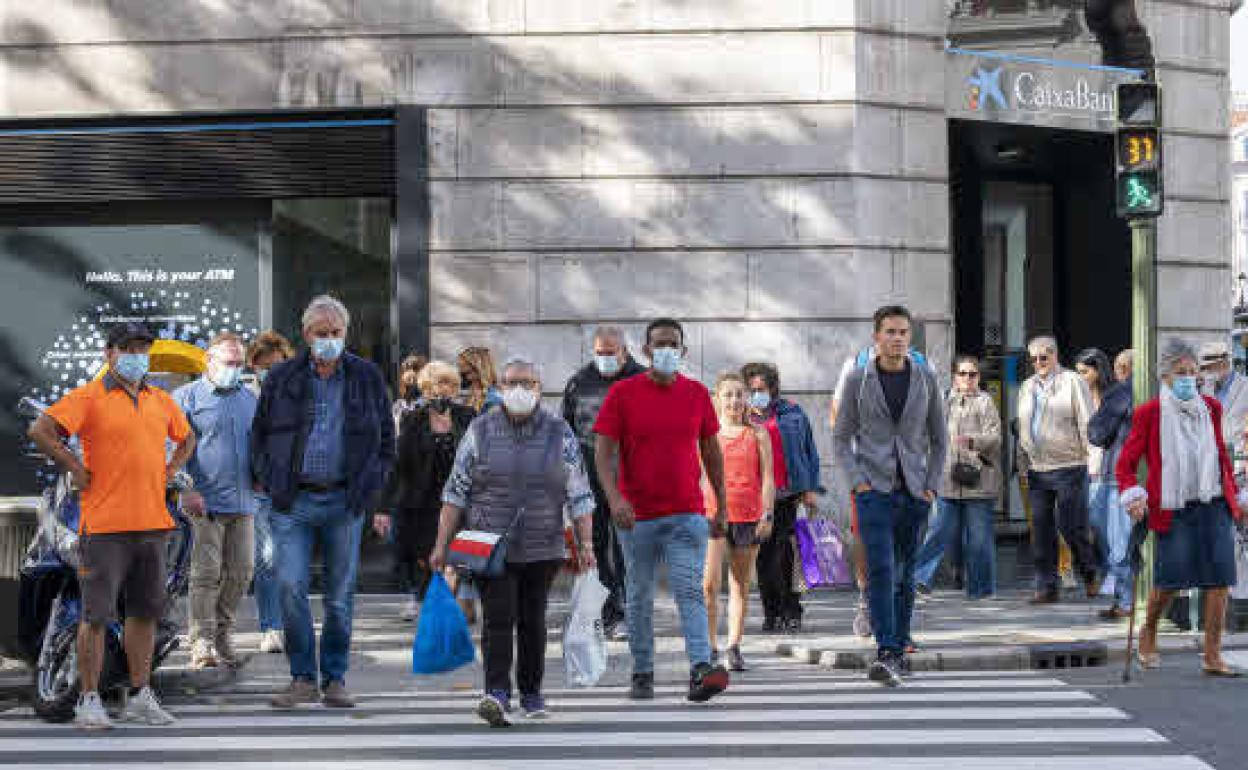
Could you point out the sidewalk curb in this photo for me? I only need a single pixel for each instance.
(1054, 656)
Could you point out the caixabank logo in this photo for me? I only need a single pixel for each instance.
(1008, 87)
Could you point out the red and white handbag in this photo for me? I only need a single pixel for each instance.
(480, 553)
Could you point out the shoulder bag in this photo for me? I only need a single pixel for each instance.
(962, 473)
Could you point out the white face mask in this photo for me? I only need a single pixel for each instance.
(226, 377)
(520, 401)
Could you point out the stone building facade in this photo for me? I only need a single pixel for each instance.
(769, 171)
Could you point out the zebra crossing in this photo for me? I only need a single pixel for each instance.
(778, 712)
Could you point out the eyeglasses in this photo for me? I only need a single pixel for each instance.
(528, 384)
(1041, 358)
(968, 374)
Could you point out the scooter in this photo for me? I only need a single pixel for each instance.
(50, 604)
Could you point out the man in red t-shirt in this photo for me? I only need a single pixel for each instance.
(655, 433)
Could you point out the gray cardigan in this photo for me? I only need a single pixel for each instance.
(867, 441)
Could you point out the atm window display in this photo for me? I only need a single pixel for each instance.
(63, 285)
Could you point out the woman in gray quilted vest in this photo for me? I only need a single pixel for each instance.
(516, 470)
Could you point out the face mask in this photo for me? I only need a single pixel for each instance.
(328, 348)
(520, 401)
(261, 375)
(132, 367)
(760, 400)
(1184, 388)
(666, 361)
(440, 404)
(227, 377)
(608, 366)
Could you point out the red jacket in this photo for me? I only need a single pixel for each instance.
(1144, 442)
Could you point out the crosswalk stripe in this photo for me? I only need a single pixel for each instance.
(926, 737)
(1013, 762)
(357, 721)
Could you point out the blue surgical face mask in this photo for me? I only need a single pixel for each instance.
(328, 348)
(666, 361)
(1184, 388)
(608, 366)
(760, 400)
(132, 367)
(227, 377)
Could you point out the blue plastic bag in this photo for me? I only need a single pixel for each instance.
(443, 642)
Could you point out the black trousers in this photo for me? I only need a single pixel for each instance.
(514, 625)
(1059, 503)
(610, 558)
(775, 565)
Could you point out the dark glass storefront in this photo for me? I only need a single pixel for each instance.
(196, 225)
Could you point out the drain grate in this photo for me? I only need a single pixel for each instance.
(1068, 655)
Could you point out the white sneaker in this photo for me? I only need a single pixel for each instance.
(271, 641)
(203, 655)
(411, 609)
(145, 709)
(90, 713)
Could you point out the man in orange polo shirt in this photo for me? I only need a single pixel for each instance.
(123, 425)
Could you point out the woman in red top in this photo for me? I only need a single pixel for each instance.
(1189, 499)
(751, 489)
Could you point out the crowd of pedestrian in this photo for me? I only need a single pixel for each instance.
(640, 470)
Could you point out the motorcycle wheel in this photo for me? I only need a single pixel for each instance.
(55, 688)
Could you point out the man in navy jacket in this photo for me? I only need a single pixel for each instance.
(322, 445)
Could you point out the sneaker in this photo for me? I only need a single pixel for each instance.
(642, 687)
(492, 709)
(297, 692)
(706, 682)
(922, 590)
(534, 706)
(203, 655)
(903, 665)
(336, 696)
(884, 670)
(410, 609)
(271, 641)
(735, 661)
(144, 709)
(862, 622)
(618, 632)
(90, 713)
(226, 654)
(793, 626)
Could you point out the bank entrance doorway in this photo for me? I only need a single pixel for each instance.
(1038, 249)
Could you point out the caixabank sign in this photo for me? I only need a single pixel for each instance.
(1003, 88)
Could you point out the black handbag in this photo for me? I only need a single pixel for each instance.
(965, 474)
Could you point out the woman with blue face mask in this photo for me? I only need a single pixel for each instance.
(1189, 501)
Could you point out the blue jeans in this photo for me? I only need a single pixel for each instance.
(970, 520)
(268, 597)
(679, 540)
(323, 518)
(889, 525)
(1112, 525)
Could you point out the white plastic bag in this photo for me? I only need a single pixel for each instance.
(584, 644)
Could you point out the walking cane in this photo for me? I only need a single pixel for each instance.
(1139, 533)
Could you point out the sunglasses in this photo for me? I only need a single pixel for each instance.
(968, 374)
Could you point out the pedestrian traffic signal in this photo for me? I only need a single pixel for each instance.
(1138, 165)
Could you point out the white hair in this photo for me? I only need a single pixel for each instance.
(1044, 343)
(610, 332)
(325, 305)
(1175, 352)
(520, 360)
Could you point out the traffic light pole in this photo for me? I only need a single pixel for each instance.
(1144, 342)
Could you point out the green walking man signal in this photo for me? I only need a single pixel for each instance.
(1138, 151)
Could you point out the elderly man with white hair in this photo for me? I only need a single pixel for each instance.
(322, 445)
(1054, 406)
(223, 505)
(516, 470)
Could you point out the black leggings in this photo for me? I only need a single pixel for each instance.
(515, 605)
(775, 566)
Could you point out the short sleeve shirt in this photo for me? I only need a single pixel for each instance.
(658, 428)
(123, 442)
